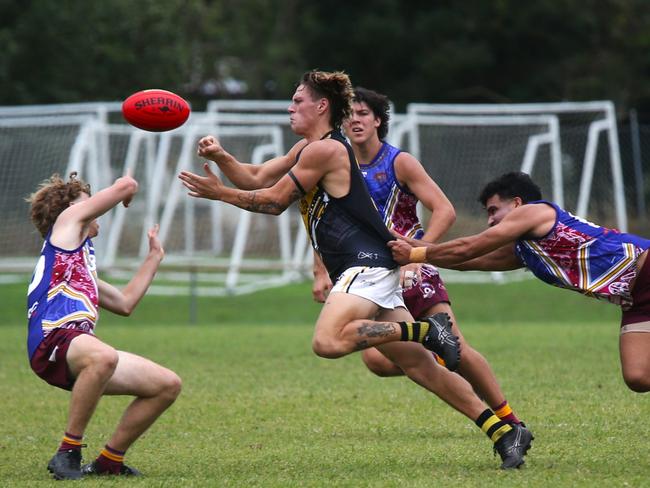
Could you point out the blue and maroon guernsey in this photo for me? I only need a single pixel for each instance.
(396, 204)
(62, 293)
(584, 257)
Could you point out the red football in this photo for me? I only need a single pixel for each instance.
(155, 110)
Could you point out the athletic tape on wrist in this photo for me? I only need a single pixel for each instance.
(418, 255)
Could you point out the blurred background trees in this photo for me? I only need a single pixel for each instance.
(442, 51)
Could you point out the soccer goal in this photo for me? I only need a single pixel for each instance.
(215, 249)
(588, 172)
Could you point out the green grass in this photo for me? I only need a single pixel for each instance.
(259, 409)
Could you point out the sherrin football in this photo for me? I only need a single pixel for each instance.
(155, 110)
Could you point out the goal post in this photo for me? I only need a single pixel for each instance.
(584, 127)
(220, 249)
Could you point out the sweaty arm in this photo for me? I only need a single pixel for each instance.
(411, 174)
(123, 302)
(314, 164)
(246, 176)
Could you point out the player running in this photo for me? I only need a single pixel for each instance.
(396, 182)
(345, 229)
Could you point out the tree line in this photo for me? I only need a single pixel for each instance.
(501, 51)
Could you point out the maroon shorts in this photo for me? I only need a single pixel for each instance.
(640, 309)
(426, 293)
(49, 360)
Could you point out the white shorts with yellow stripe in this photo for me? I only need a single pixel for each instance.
(379, 285)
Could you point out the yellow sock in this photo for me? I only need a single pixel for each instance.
(492, 425)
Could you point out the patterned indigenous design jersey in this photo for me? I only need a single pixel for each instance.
(396, 204)
(346, 231)
(62, 293)
(584, 257)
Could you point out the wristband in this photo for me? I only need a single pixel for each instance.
(418, 255)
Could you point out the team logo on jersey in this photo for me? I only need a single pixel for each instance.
(380, 176)
(367, 255)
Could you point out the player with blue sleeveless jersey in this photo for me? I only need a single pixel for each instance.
(64, 297)
(560, 249)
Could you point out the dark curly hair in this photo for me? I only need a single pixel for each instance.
(379, 104)
(336, 87)
(511, 185)
(53, 197)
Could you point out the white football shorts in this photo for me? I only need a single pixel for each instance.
(379, 285)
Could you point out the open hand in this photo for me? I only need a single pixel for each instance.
(209, 186)
(155, 246)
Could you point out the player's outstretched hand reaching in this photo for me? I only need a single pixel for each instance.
(155, 246)
(209, 186)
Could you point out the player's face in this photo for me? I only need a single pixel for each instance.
(362, 124)
(497, 208)
(93, 227)
(303, 111)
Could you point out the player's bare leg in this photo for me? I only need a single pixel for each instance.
(337, 333)
(635, 359)
(419, 365)
(345, 326)
(512, 442)
(92, 363)
(379, 364)
(155, 389)
(473, 366)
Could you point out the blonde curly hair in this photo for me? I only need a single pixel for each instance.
(53, 197)
(336, 87)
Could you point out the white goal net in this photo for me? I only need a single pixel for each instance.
(213, 248)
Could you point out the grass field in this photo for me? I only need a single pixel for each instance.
(259, 409)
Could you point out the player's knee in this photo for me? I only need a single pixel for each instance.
(104, 361)
(328, 348)
(637, 381)
(171, 386)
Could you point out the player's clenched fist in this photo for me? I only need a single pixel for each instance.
(210, 148)
(401, 251)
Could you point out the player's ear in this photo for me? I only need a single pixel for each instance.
(323, 104)
(518, 201)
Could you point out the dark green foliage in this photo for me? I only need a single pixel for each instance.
(473, 51)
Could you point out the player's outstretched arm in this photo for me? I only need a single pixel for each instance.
(71, 227)
(527, 220)
(313, 165)
(502, 259)
(123, 302)
(246, 176)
